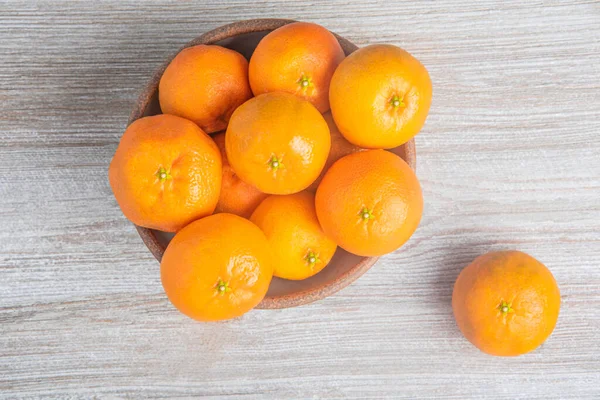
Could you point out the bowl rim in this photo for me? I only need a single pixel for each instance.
(213, 36)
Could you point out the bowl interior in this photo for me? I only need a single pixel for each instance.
(344, 268)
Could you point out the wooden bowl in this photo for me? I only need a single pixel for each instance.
(344, 268)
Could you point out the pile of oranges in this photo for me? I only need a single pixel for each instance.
(296, 166)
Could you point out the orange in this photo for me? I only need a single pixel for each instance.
(277, 143)
(298, 58)
(299, 245)
(340, 147)
(165, 173)
(237, 197)
(216, 268)
(380, 96)
(370, 202)
(506, 303)
(205, 84)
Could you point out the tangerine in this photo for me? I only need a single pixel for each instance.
(205, 84)
(237, 197)
(298, 58)
(277, 143)
(165, 173)
(300, 247)
(506, 303)
(340, 147)
(217, 268)
(369, 203)
(380, 96)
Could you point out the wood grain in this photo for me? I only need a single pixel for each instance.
(509, 158)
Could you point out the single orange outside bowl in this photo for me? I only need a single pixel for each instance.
(344, 268)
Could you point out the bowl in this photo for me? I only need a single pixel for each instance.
(344, 268)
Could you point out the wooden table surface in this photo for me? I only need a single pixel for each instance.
(509, 159)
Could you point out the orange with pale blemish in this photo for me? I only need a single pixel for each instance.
(298, 58)
(300, 247)
(277, 143)
(165, 173)
(369, 203)
(506, 303)
(380, 96)
(217, 268)
(205, 84)
(237, 197)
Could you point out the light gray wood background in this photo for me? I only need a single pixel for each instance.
(509, 159)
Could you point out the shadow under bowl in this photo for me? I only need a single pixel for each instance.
(344, 268)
